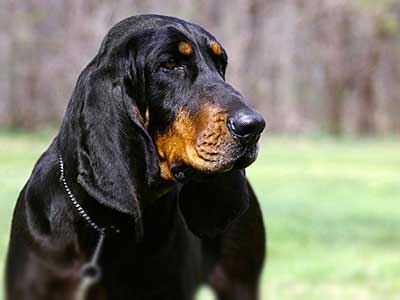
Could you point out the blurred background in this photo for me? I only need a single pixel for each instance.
(325, 74)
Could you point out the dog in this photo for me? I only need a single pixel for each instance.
(142, 194)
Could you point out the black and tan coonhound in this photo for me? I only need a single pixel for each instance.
(151, 156)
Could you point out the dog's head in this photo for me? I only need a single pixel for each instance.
(198, 121)
(158, 85)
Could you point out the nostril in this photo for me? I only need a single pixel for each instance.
(246, 125)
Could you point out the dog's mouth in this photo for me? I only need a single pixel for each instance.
(240, 158)
(247, 158)
(203, 146)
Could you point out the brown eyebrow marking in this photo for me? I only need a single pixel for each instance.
(185, 48)
(216, 48)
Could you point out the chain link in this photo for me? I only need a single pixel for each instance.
(90, 273)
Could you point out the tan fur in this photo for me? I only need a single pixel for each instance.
(185, 48)
(198, 140)
(138, 116)
(147, 118)
(216, 48)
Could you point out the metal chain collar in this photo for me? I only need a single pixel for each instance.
(90, 272)
(73, 199)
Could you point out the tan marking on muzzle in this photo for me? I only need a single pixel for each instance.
(197, 141)
(185, 48)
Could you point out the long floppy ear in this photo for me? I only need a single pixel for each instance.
(103, 165)
(210, 206)
(114, 151)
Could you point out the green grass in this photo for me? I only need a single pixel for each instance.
(332, 210)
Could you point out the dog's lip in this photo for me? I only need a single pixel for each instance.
(183, 172)
(248, 156)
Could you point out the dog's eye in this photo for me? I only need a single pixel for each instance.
(171, 65)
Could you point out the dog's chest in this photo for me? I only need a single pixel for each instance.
(172, 271)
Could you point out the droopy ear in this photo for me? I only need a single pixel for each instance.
(210, 206)
(107, 139)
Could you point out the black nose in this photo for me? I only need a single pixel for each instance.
(247, 125)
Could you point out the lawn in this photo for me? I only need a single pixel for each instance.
(332, 208)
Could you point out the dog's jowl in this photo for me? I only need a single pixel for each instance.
(142, 194)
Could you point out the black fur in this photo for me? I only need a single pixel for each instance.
(166, 248)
